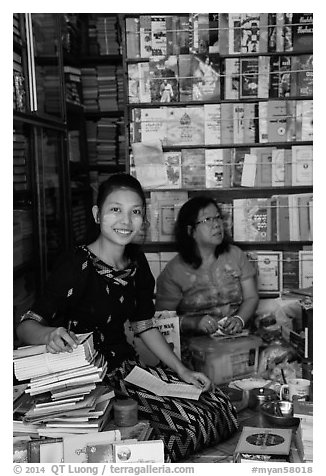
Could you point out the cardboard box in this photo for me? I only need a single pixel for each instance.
(167, 323)
(225, 359)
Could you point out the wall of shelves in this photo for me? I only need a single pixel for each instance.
(235, 122)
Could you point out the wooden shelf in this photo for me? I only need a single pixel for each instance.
(36, 119)
(234, 55)
(74, 108)
(156, 246)
(238, 192)
(100, 114)
(100, 60)
(283, 145)
(147, 105)
(107, 167)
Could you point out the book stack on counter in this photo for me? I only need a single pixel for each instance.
(64, 394)
(87, 448)
(304, 434)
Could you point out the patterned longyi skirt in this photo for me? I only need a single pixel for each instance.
(185, 426)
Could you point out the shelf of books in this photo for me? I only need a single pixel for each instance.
(103, 96)
(222, 104)
(94, 105)
(40, 219)
(80, 190)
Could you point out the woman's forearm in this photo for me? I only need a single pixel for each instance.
(32, 332)
(248, 308)
(158, 345)
(56, 339)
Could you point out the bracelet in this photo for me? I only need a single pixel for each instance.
(241, 319)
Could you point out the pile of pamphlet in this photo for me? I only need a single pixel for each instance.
(64, 393)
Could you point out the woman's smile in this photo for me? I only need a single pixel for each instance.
(122, 231)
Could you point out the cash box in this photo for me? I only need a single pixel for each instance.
(224, 359)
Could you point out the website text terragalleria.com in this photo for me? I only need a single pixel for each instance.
(103, 469)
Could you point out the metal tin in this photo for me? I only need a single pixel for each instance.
(263, 394)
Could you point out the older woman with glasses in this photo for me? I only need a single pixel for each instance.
(210, 283)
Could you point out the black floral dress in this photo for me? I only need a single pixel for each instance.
(96, 297)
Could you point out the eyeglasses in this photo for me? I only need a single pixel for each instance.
(210, 221)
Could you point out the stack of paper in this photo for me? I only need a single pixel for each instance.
(84, 416)
(63, 394)
(34, 361)
(304, 435)
(65, 383)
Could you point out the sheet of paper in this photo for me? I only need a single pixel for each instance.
(183, 390)
(144, 379)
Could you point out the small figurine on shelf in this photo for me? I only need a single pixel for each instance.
(166, 91)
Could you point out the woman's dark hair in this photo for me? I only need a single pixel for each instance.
(187, 217)
(116, 182)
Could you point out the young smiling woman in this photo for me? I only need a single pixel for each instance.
(99, 287)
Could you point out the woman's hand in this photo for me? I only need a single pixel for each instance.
(198, 379)
(207, 324)
(232, 325)
(158, 345)
(61, 340)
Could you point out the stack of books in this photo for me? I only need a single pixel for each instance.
(106, 32)
(90, 88)
(73, 85)
(20, 160)
(102, 35)
(107, 88)
(64, 393)
(84, 448)
(304, 434)
(100, 88)
(106, 141)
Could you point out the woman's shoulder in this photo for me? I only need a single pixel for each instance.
(234, 251)
(73, 257)
(175, 265)
(80, 255)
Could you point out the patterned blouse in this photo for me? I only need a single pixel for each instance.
(215, 289)
(96, 297)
